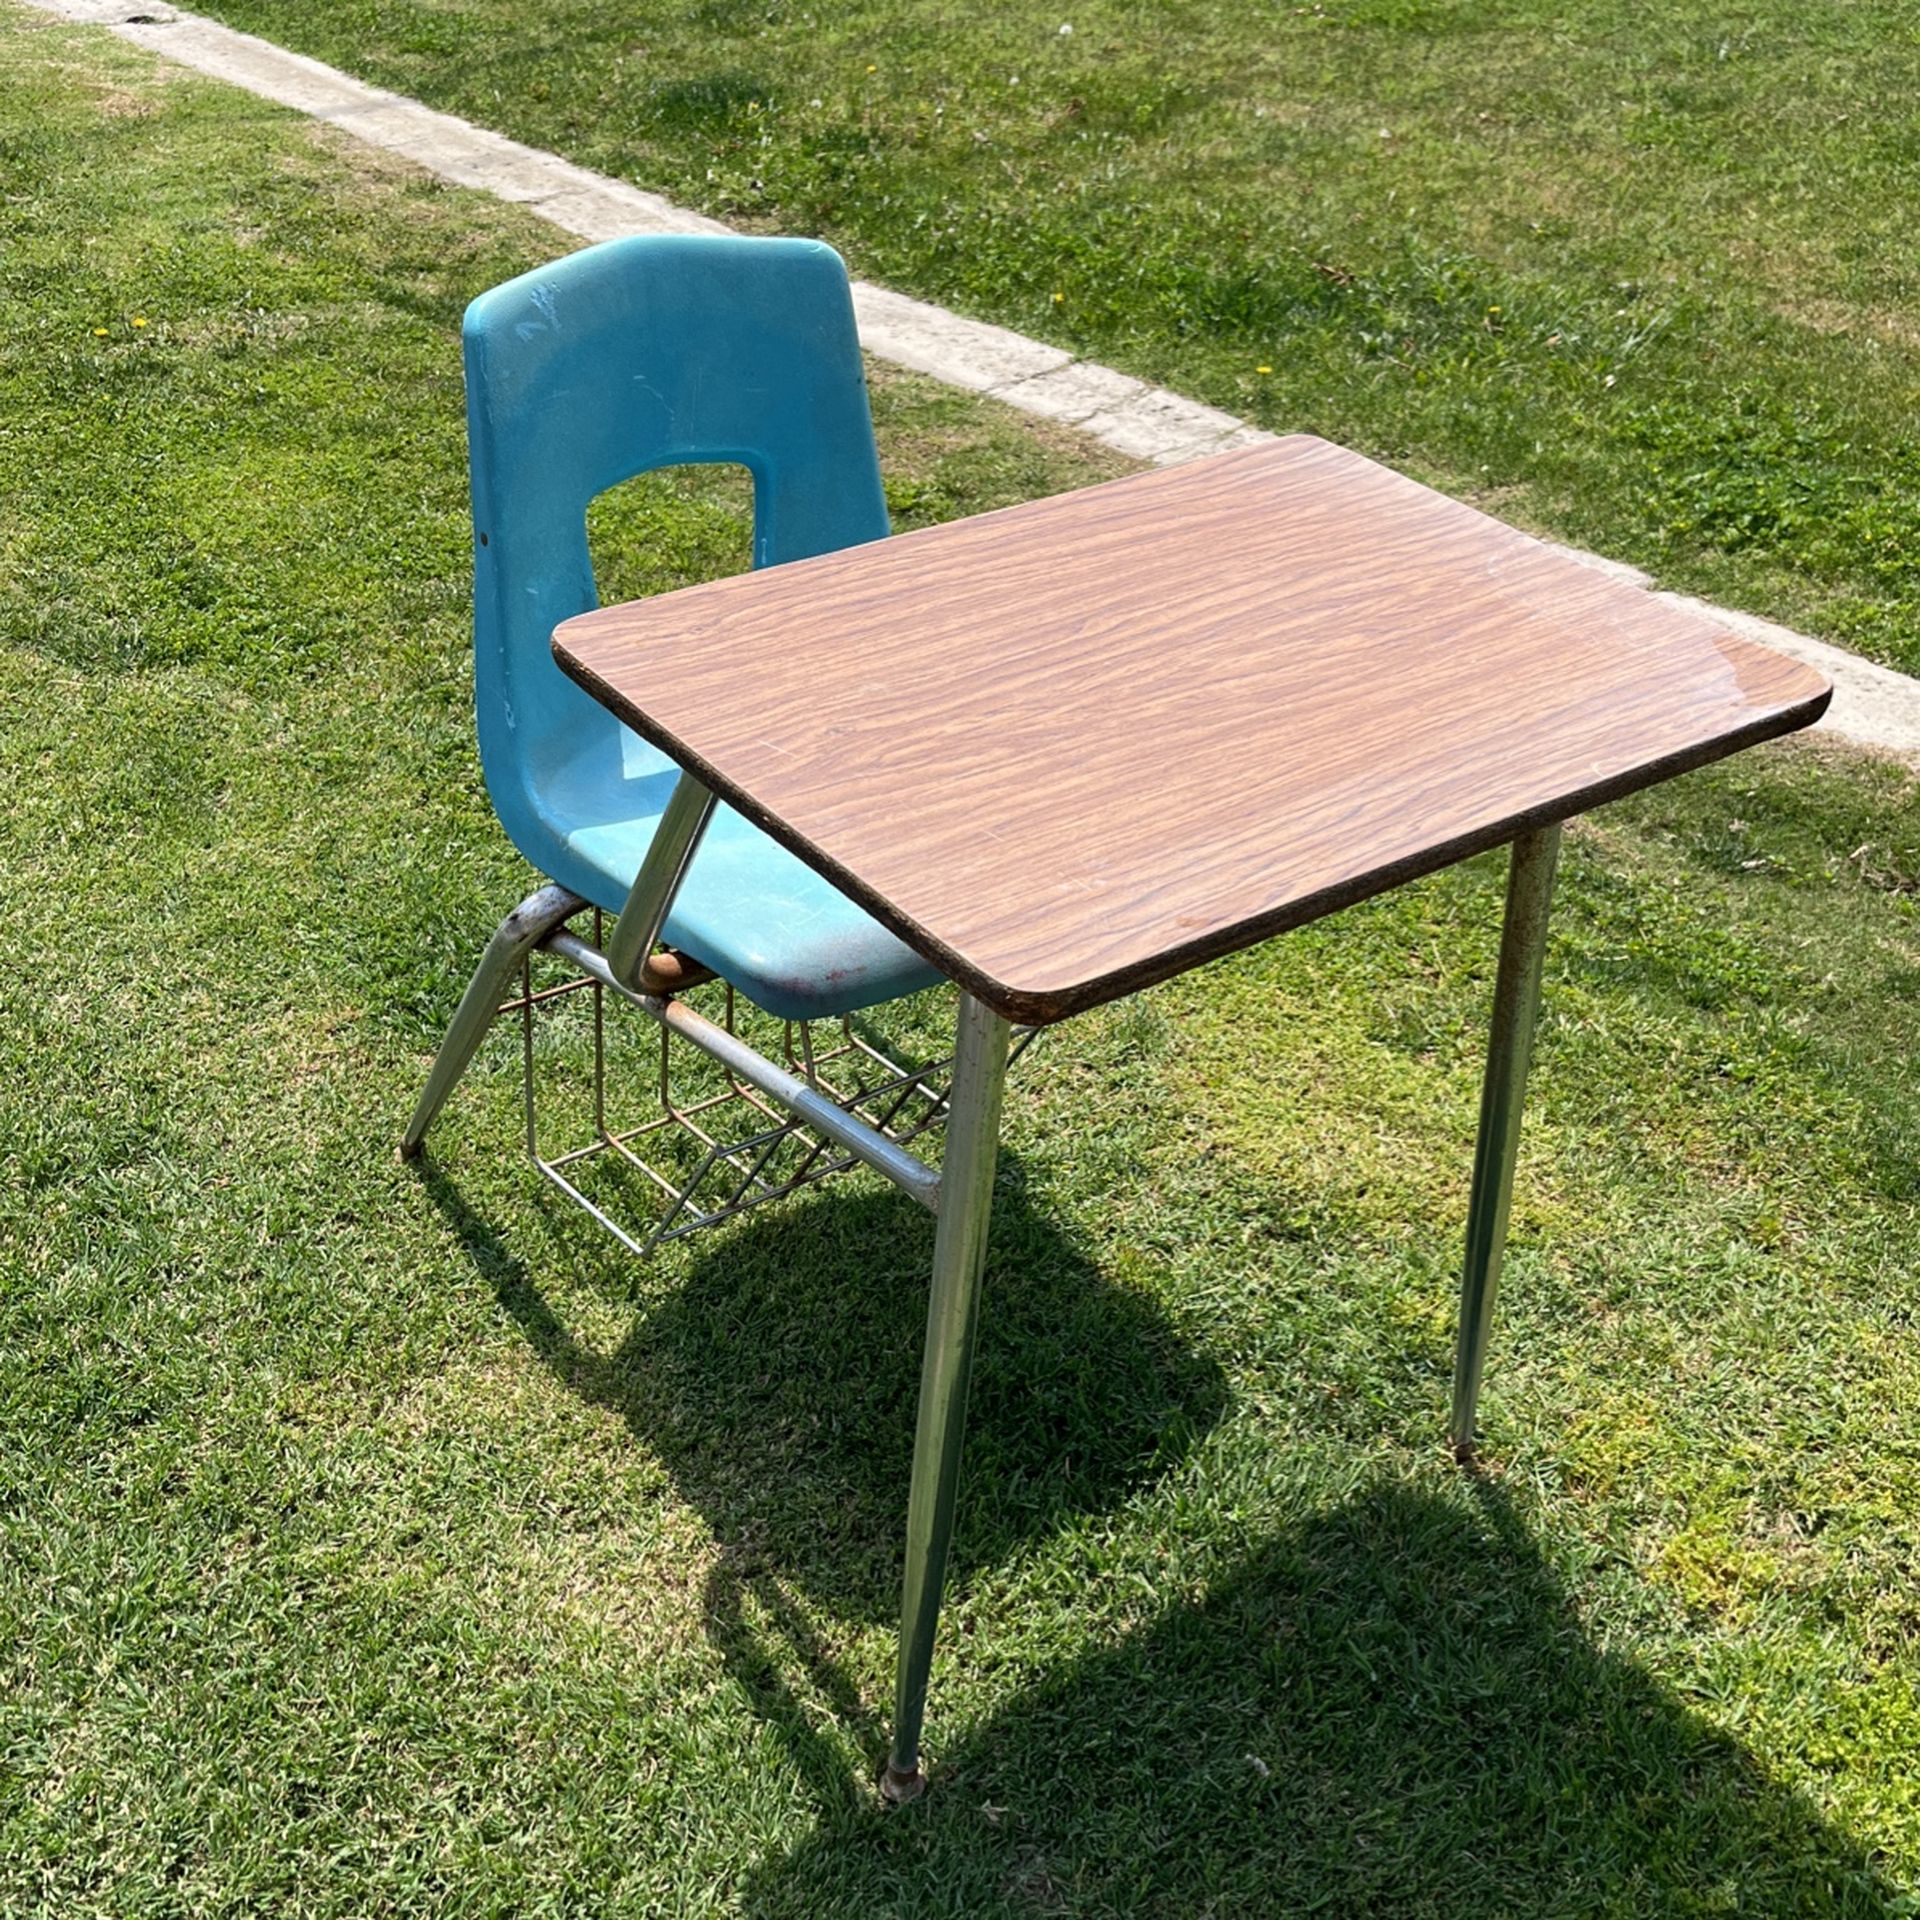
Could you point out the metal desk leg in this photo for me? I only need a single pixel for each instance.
(1516, 1000)
(676, 839)
(959, 1250)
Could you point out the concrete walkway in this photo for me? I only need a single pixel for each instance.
(1873, 706)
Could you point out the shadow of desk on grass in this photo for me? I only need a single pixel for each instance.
(1389, 1710)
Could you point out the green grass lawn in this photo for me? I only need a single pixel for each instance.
(376, 1541)
(1640, 276)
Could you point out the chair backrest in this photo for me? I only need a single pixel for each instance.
(651, 352)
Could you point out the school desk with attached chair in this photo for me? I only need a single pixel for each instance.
(1053, 754)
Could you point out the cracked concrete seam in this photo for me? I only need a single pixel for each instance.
(1873, 706)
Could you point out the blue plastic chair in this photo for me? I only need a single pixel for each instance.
(652, 353)
(619, 360)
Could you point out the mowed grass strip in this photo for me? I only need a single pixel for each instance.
(381, 1541)
(1640, 277)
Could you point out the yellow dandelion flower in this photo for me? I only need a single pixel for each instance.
(1263, 369)
(99, 333)
(139, 320)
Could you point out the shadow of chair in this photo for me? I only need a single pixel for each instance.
(776, 1382)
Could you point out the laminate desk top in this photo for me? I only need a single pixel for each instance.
(1077, 746)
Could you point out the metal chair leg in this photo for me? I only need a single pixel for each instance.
(1516, 1002)
(517, 935)
(959, 1251)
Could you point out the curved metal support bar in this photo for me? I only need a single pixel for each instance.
(959, 1253)
(1516, 1003)
(908, 1172)
(676, 839)
(516, 936)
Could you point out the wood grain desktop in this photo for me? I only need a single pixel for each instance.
(1077, 746)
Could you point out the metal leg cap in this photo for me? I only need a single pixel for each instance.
(897, 1788)
(410, 1149)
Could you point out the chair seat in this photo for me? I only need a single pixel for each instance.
(786, 938)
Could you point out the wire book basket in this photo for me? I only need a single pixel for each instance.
(666, 1141)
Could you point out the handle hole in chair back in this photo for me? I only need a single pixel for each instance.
(674, 527)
